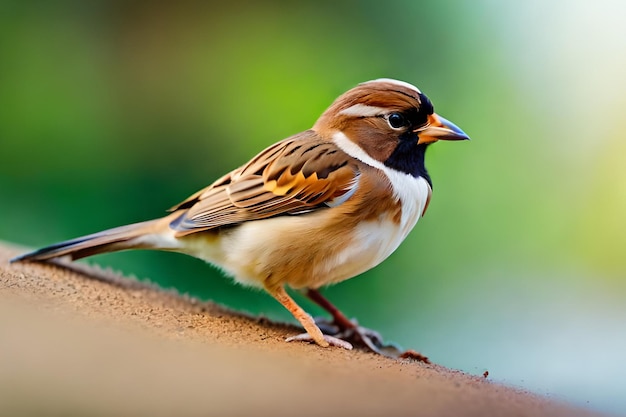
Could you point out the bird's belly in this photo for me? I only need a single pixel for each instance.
(372, 243)
(300, 251)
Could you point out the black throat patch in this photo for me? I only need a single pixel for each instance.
(409, 158)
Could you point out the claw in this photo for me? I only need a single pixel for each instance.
(371, 339)
(333, 341)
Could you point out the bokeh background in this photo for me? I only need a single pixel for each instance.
(111, 112)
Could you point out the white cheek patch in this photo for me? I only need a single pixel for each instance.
(355, 151)
(362, 110)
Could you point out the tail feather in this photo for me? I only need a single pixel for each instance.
(132, 236)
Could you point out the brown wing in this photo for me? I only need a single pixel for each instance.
(298, 175)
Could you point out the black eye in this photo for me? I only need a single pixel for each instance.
(396, 120)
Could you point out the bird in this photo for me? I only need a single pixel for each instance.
(312, 210)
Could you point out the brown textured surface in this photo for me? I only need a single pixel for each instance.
(74, 345)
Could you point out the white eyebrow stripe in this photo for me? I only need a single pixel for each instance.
(363, 110)
(396, 82)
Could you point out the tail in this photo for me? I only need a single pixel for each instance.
(144, 235)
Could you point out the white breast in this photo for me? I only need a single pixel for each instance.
(378, 239)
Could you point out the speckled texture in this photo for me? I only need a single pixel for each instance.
(91, 342)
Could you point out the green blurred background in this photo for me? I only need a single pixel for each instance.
(111, 112)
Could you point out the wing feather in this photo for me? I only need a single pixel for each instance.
(300, 174)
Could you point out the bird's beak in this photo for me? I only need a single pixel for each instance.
(439, 128)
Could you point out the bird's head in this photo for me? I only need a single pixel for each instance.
(392, 121)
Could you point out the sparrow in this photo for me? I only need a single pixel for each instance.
(315, 209)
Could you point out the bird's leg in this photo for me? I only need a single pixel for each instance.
(313, 333)
(349, 329)
(339, 319)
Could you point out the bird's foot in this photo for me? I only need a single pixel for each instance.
(361, 336)
(332, 341)
(342, 328)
